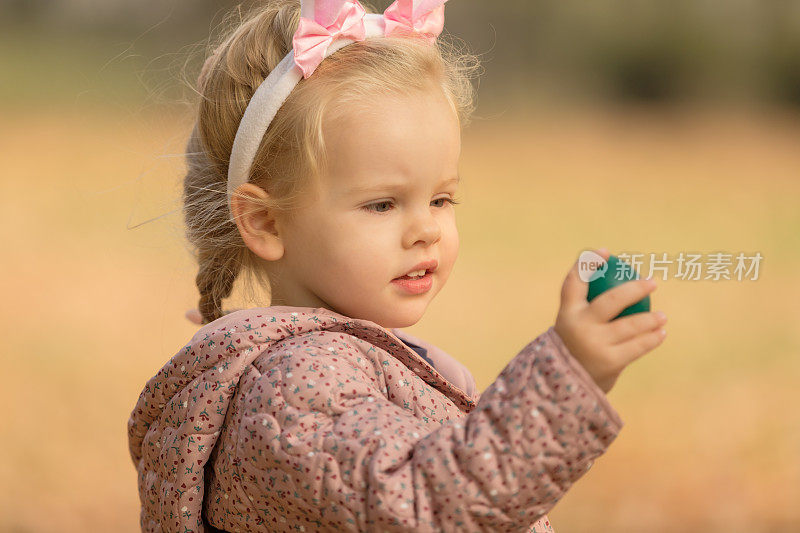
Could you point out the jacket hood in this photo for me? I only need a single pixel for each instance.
(176, 422)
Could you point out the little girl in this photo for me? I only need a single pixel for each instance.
(324, 163)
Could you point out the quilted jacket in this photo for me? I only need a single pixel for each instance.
(302, 419)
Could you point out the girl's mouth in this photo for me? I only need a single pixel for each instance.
(415, 285)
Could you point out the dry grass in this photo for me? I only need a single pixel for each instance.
(711, 440)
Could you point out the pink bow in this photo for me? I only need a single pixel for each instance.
(332, 19)
(421, 16)
(335, 19)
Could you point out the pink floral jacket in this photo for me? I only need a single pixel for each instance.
(301, 419)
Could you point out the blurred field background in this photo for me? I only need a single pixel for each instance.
(654, 127)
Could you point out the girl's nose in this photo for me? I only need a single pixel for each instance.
(423, 227)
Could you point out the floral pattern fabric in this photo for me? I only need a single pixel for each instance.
(301, 419)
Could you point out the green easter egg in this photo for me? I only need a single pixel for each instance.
(617, 273)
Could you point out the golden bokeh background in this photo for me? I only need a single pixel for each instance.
(97, 278)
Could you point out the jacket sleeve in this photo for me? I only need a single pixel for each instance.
(357, 461)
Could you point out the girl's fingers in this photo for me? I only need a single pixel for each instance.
(627, 327)
(636, 347)
(612, 302)
(574, 290)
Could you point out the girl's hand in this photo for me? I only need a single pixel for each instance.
(194, 316)
(604, 346)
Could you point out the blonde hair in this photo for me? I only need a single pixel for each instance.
(292, 152)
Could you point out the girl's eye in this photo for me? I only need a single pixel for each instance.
(368, 207)
(452, 202)
(378, 204)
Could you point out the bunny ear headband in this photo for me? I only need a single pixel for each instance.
(325, 27)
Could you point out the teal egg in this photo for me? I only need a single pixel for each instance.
(617, 273)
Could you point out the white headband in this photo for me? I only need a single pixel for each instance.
(325, 27)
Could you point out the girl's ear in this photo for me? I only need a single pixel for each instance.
(257, 226)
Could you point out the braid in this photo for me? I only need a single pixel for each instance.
(215, 278)
(218, 246)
